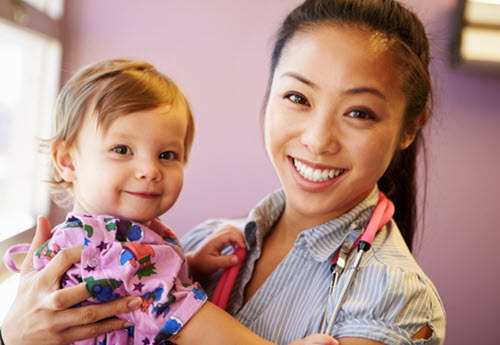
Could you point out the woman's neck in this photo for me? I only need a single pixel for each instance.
(291, 223)
(286, 229)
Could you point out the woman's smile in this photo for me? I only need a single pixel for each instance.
(314, 178)
(314, 173)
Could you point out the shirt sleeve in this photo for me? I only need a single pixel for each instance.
(147, 265)
(397, 304)
(195, 236)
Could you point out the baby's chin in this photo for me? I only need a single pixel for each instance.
(134, 218)
(143, 222)
(146, 221)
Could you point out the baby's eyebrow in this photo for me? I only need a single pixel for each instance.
(119, 135)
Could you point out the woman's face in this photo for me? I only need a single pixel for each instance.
(333, 120)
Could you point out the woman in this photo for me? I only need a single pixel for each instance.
(347, 99)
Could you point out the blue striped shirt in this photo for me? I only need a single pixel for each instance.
(389, 301)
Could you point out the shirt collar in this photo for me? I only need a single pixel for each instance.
(321, 241)
(262, 218)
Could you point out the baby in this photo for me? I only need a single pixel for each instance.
(123, 135)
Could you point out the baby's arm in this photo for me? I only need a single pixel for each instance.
(207, 258)
(212, 325)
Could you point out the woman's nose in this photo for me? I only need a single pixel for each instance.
(148, 169)
(320, 137)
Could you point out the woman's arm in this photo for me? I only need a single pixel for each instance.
(42, 313)
(212, 325)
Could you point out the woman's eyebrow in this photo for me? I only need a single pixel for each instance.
(366, 89)
(352, 91)
(300, 78)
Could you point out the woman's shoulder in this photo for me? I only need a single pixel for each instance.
(197, 234)
(391, 256)
(391, 288)
(390, 250)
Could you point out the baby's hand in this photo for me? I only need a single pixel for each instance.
(316, 339)
(207, 258)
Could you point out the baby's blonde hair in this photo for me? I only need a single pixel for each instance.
(110, 89)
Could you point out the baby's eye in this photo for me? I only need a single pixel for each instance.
(168, 155)
(297, 98)
(122, 150)
(361, 114)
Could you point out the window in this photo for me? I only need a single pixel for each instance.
(29, 66)
(476, 40)
(30, 60)
(53, 8)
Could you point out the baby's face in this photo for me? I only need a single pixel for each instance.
(134, 169)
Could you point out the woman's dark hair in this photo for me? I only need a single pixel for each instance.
(406, 38)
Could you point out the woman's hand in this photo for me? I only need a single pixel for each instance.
(316, 339)
(42, 313)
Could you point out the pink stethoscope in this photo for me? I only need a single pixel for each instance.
(381, 216)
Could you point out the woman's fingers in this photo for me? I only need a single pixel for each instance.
(42, 234)
(93, 330)
(316, 339)
(67, 297)
(55, 269)
(83, 316)
(90, 321)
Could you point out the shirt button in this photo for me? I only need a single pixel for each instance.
(92, 262)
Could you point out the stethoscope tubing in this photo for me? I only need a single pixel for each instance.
(381, 216)
(350, 278)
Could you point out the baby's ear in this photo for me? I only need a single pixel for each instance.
(62, 156)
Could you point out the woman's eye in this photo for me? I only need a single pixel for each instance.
(361, 114)
(122, 150)
(297, 98)
(168, 155)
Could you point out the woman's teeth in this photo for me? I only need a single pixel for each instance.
(316, 175)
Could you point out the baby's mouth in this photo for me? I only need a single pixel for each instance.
(316, 175)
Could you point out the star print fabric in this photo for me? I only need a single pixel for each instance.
(122, 258)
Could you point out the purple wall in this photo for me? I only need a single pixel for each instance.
(218, 53)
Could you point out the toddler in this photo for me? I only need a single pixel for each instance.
(123, 135)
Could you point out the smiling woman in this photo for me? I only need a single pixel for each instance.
(348, 126)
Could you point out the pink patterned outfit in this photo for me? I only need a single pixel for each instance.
(123, 258)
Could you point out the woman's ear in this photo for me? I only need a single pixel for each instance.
(62, 156)
(410, 133)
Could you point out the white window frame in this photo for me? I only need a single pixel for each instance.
(45, 21)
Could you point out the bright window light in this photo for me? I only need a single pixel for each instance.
(496, 2)
(480, 44)
(53, 8)
(483, 13)
(29, 66)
